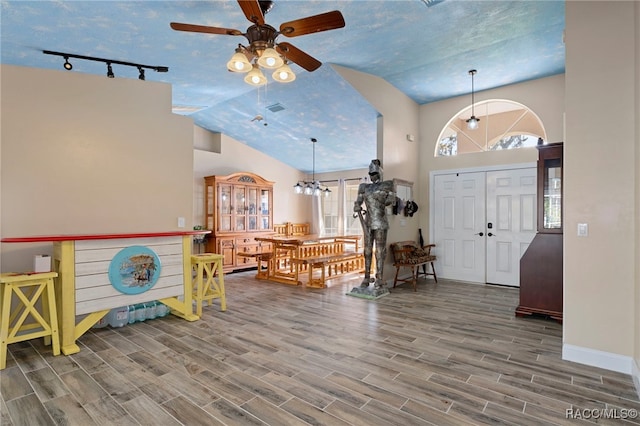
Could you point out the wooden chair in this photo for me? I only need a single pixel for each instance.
(409, 254)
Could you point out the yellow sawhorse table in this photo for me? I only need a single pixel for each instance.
(208, 286)
(28, 289)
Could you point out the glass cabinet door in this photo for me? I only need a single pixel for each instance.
(225, 208)
(209, 207)
(552, 213)
(240, 208)
(550, 188)
(252, 208)
(265, 209)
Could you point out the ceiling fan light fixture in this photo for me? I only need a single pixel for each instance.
(270, 59)
(284, 74)
(239, 62)
(255, 77)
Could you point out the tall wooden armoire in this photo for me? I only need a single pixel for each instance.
(541, 265)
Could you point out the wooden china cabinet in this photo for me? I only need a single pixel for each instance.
(541, 264)
(238, 208)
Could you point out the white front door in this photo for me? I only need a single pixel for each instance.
(459, 214)
(511, 222)
(483, 223)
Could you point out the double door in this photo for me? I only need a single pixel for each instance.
(482, 224)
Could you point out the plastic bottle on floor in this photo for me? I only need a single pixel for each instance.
(162, 310)
(150, 310)
(118, 317)
(132, 314)
(141, 312)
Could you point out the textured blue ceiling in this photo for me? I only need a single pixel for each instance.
(425, 52)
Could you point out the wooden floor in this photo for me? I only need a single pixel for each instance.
(449, 354)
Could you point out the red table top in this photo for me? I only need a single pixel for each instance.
(53, 238)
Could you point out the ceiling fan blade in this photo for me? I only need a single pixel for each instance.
(204, 29)
(313, 24)
(296, 55)
(252, 11)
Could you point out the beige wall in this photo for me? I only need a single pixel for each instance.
(235, 157)
(398, 119)
(87, 154)
(600, 277)
(399, 115)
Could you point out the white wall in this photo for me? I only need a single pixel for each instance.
(85, 154)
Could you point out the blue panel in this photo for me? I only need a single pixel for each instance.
(134, 270)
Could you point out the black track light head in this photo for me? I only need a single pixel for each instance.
(67, 65)
(141, 73)
(110, 73)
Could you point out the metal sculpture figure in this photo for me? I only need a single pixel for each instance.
(376, 196)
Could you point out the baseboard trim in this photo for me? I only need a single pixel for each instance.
(635, 374)
(601, 359)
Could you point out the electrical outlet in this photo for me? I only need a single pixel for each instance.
(181, 222)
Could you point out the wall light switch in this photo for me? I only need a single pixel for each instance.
(181, 222)
(583, 229)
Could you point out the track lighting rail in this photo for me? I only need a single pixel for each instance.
(109, 62)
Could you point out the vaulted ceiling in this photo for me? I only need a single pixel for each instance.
(424, 48)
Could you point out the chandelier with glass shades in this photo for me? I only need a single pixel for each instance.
(314, 186)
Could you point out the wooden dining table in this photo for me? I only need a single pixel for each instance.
(286, 252)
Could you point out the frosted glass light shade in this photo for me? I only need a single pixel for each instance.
(255, 77)
(284, 74)
(270, 59)
(239, 63)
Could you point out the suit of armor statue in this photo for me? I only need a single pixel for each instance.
(376, 196)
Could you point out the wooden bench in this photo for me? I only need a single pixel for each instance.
(409, 254)
(329, 266)
(265, 256)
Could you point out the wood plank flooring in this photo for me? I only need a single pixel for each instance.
(449, 354)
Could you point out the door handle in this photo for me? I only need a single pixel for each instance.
(480, 233)
(491, 235)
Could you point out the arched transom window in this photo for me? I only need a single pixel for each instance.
(503, 124)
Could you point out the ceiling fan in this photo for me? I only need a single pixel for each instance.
(262, 47)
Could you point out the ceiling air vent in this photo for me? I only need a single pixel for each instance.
(275, 107)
